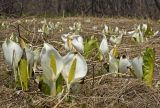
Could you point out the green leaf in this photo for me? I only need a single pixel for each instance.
(149, 32)
(53, 63)
(89, 46)
(44, 87)
(148, 67)
(59, 84)
(72, 71)
(23, 72)
(47, 86)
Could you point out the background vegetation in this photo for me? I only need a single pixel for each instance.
(129, 8)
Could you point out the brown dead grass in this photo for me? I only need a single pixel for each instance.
(108, 92)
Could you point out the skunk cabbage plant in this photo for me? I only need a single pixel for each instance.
(77, 43)
(90, 45)
(73, 42)
(104, 49)
(75, 68)
(113, 61)
(67, 41)
(44, 30)
(105, 30)
(148, 67)
(117, 36)
(114, 33)
(16, 58)
(9, 47)
(113, 64)
(52, 65)
(116, 39)
(142, 32)
(76, 28)
(124, 64)
(29, 54)
(137, 64)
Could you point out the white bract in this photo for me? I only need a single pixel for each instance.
(116, 40)
(142, 32)
(104, 46)
(75, 68)
(76, 28)
(138, 36)
(114, 33)
(48, 55)
(52, 65)
(137, 64)
(113, 64)
(77, 43)
(30, 57)
(36, 54)
(113, 61)
(117, 36)
(73, 42)
(105, 30)
(124, 64)
(9, 48)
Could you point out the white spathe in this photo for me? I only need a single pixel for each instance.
(105, 30)
(113, 64)
(73, 42)
(30, 57)
(137, 64)
(9, 47)
(116, 39)
(77, 43)
(65, 36)
(104, 46)
(45, 59)
(36, 56)
(124, 64)
(80, 70)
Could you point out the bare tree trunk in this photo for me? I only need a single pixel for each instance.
(157, 4)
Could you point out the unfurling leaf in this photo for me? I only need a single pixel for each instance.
(23, 72)
(148, 67)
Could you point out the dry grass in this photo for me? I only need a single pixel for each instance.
(109, 91)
